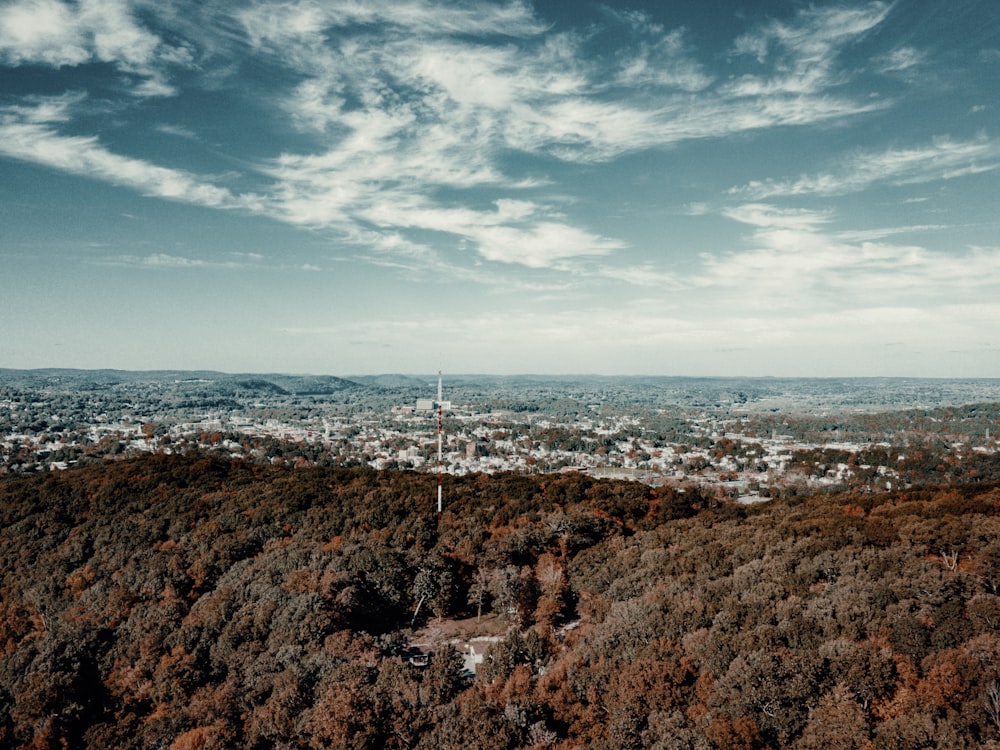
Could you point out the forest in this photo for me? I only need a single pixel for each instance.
(190, 602)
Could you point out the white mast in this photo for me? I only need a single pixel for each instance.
(440, 410)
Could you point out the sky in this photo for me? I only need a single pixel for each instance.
(695, 187)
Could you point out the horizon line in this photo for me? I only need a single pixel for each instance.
(464, 375)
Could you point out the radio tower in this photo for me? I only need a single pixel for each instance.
(440, 470)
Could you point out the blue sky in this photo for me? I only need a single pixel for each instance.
(346, 187)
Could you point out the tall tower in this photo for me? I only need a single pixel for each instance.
(440, 467)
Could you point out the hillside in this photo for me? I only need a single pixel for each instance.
(188, 602)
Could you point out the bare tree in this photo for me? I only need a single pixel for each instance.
(991, 702)
(950, 559)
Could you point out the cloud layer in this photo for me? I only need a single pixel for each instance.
(408, 110)
(803, 168)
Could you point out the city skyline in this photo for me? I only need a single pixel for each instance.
(615, 188)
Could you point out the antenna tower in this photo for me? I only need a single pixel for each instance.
(440, 467)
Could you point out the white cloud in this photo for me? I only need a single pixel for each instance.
(831, 276)
(166, 261)
(241, 261)
(644, 275)
(517, 232)
(44, 109)
(768, 216)
(537, 93)
(880, 233)
(179, 131)
(116, 37)
(41, 31)
(901, 59)
(804, 53)
(427, 99)
(943, 158)
(273, 26)
(539, 245)
(54, 33)
(469, 76)
(795, 262)
(411, 110)
(664, 60)
(162, 260)
(26, 134)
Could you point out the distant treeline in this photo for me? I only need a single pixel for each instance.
(189, 602)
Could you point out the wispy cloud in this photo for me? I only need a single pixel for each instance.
(410, 108)
(661, 57)
(276, 24)
(235, 262)
(28, 133)
(55, 33)
(642, 275)
(796, 261)
(880, 233)
(177, 130)
(772, 217)
(901, 59)
(167, 261)
(412, 114)
(542, 93)
(802, 57)
(539, 245)
(942, 159)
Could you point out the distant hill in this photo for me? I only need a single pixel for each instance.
(66, 377)
(787, 395)
(392, 381)
(190, 602)
(300, 385)
(82, 379)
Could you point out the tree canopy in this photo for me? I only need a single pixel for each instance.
(191, 602)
